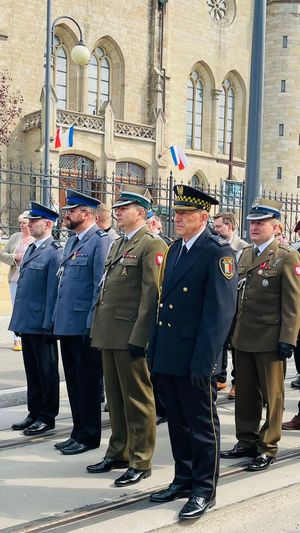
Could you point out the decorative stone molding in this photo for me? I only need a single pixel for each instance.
(81, 120)
(32, 120)
(138, 131)
(222, 12)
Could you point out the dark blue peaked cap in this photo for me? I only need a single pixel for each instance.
(40, 211)
(76, 198)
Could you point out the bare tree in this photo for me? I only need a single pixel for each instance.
(10, 107)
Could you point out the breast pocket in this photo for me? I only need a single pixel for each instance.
(79, 268)
(36, 270)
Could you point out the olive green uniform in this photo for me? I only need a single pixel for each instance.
(122, 315)
(268, 313)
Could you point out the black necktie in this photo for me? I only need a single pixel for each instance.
(255, 252)
(32, 249)
(76, 241)
(181, 254)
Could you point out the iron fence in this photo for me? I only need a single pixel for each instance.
(19, 184)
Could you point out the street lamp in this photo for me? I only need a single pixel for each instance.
(80, 55)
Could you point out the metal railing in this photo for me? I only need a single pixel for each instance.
(19, 184)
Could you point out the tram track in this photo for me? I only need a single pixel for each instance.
(97, 513)
(9, 444)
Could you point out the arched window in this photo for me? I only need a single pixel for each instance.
(194, 112)
(76, 172)
(198, 182)
(61, 73)
(131, 170)
(99, 80)
(225, 117)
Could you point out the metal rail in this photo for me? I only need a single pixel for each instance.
(102, 510)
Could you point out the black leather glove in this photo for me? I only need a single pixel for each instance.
(285, 350)
(49, 338)
(136, 351)
(17, 334)
(200, 382)
(86, 337)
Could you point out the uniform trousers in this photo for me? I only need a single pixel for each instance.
(194, 432)
(83, 372)
(297, 355)
(259, 377)
(131, 408)
(41, 367)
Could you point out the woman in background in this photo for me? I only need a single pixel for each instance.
(12, 254)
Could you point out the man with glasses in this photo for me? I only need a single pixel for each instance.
(79, 275)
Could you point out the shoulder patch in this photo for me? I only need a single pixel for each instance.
(219, 240)
(56, 244)
(226, 265)
(101, 233)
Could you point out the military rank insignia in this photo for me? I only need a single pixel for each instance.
(226, 265)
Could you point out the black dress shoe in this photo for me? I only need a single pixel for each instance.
(131, 476)
(77, 447)
(63, 444)
(237, 452)
(173, 492)
(106, 465)
(196, 507)
(261, 462)
(20, 426)
(37, 428)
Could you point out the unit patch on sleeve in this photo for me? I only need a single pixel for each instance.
(297, 270)
(159, 259)
(226, 265)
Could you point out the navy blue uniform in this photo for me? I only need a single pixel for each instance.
(80, 273)
(194, 314)
(32, 317)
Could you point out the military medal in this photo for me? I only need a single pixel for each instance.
(260, 272)
(265, 283)
(124, 272)
(73, 257)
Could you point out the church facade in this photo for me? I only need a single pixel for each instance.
(161, 73)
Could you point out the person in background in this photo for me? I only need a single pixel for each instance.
(104, 221)
(12, 255)
(32, 318)
(295, 383)
(155, 225)
(294, 423)
(225, 225)
(296, 244)
(279, 235)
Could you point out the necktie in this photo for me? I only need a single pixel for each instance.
(182, 253)
(76, 241)
(256, 252)
(32, 249)
(123, 243)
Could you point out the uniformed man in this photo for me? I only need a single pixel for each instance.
(266, 330)
(121, 328)
(225, 225)
(195, 308)
(32, 318)
(79, 273)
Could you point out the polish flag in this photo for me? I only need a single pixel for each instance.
(58, 138)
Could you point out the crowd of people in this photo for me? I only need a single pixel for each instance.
(157, 318)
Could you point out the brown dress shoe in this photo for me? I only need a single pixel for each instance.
(221, 385)
(231, 394)
(293, 424)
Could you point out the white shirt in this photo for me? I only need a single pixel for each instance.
(82, 234)
(38, 242)
(132, 233)
(190, 243)
(263, 246)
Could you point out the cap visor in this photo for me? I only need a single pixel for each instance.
(124, 202)
(69, 207)
(259, 216)
(186, 208)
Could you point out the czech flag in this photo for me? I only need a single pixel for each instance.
(179, 157)
(70, 137)
(58, 138)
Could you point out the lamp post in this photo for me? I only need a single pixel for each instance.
(80, 55)
(252, 183)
